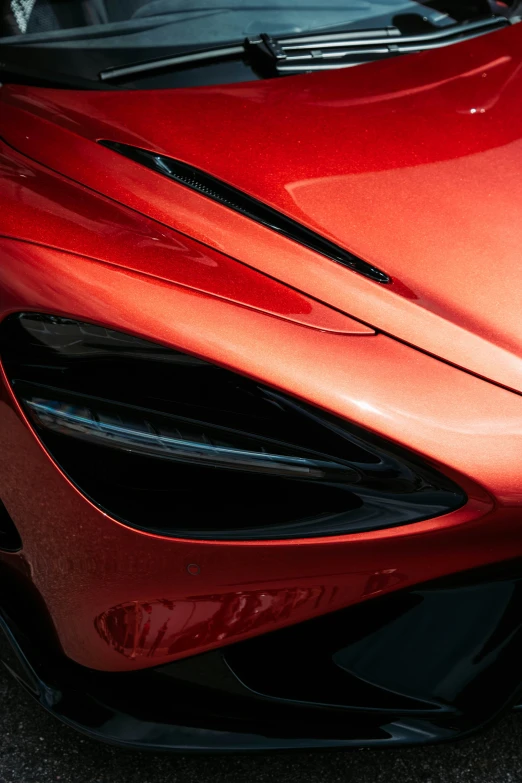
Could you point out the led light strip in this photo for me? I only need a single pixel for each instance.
(84, 426)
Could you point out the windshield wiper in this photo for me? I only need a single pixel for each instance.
(203, 56)
(304, 53)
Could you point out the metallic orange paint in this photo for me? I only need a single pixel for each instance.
(67, 216)
(387, 159)
(414, 165)
(87, 567)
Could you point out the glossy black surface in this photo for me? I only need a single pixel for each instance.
(167, 442)
(449, 648)
(422, 665)
(247, 205)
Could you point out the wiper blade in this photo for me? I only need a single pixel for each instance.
(295, 54)
(262, 50)
(203, 56)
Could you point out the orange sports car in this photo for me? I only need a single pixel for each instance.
(261, 368)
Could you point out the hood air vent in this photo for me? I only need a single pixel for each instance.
(246, 205)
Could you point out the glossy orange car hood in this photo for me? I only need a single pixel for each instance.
(414, 164)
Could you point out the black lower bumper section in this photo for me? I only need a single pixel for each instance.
(421, 665)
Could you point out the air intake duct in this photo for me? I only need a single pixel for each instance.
(173, 444)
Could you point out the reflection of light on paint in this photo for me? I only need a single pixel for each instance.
(164, 628)
(380, 581)
(367, 406)
(22, 10)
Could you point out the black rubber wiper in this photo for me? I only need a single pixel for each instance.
(304, 53)
(186, 59)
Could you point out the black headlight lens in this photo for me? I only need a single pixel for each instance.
(172, 444)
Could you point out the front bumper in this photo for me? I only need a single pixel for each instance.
(433, 663)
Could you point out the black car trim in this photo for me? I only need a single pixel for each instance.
(246, 205)
(237, 698)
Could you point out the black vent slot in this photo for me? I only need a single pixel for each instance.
(10, 540)
(246, 205)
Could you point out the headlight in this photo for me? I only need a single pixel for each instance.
(175, 445)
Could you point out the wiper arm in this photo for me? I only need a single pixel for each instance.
(295, 54)
(313, 53)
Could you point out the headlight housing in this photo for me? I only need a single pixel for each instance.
(172, 444)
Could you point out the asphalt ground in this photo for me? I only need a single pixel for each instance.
(36, 748)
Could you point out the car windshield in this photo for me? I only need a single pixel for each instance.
(84, 37)
(200, 22)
